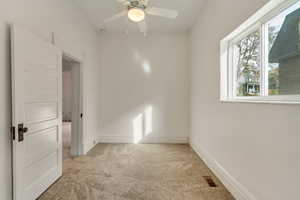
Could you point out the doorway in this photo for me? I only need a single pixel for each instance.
(71, 107)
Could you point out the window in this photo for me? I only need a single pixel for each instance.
(260, 61)
(248, 63)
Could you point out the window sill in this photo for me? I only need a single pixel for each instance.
(262, 101)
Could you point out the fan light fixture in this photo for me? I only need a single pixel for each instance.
(136, 14)
(136, 11)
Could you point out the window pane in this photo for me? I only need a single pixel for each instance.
(247, 55)
(284, 52)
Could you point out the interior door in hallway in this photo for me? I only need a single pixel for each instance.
(36, 114)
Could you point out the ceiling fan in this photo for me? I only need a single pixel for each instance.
(136, 11)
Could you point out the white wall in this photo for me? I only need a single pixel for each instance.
(141, 72)
(67, 96)
(75, 35)
(257, 144)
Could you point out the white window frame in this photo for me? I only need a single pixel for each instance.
(227, 79)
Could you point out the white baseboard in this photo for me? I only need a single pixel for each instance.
(88, 146)
(236, 188)
(148, 140)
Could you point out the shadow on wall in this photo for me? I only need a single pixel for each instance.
(142, 125)
(131, 116)
(145, 63)
(135, 126)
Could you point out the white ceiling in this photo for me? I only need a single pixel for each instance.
(98, 10)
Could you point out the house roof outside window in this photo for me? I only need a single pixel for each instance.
(287, 42)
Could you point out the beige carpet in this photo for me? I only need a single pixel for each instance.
(136, 172)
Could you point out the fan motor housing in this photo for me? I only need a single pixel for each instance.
(137, 4)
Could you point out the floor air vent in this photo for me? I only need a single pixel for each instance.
(210, 181)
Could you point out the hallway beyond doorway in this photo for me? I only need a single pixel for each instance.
(66, 134)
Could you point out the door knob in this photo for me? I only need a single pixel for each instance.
(21, 131)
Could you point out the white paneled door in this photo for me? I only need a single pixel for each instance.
(37, 114)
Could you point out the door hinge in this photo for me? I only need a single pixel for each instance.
(13, 133)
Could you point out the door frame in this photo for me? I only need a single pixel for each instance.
(80, 120)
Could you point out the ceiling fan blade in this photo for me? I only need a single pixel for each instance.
(117, 16)
(146, 2)
(143, 26)
(162, 12)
